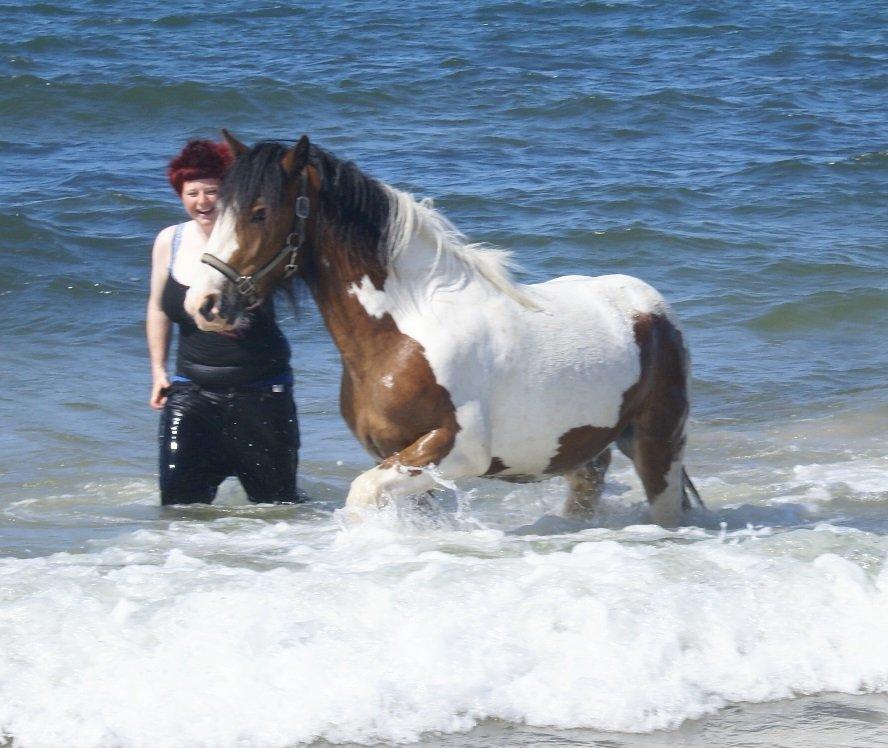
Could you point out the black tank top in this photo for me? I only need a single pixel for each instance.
(218, 361)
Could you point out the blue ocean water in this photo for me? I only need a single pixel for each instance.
(734, 155)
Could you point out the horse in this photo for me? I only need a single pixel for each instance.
(450, 368)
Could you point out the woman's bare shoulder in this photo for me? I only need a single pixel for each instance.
(163, 243)
(166, 235)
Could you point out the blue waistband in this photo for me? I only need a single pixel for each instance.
(285, 379)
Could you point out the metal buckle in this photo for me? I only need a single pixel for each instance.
(292, 266)
(246, 287)
(302, 206)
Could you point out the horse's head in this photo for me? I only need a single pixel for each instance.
(260, 232)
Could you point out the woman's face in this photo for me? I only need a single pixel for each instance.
(199, 197)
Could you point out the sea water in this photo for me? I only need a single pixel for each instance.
(733, 155)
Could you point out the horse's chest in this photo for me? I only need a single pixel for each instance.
(390, 401)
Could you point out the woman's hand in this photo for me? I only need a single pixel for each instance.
(159, 390)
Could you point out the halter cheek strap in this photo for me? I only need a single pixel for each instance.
(246, 284)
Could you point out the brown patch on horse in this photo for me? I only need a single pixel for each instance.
(496, 466)
(414, 410)
(659, 421)
(577, 446)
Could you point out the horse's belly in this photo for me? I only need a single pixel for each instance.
(576, 408)
(558, 378)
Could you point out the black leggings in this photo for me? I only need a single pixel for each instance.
(209, 435)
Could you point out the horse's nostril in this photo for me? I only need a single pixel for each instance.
(206, 309)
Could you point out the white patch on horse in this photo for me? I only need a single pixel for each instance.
(388, 381)
(207, 280)
(223, 239)
(374, 301)
(666, 509)
(523, 364)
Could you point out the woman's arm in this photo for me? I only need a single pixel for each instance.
(158, 326)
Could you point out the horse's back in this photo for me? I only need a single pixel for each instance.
(587, 323)
(604, 296)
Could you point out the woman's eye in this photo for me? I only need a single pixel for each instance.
(258, 216)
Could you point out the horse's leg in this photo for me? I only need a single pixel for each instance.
(585, 485)
(658, 462)
(402, 474)
(690, 498)
(656, 441)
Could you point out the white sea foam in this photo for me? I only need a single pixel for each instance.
(252, 633)
(868, 476)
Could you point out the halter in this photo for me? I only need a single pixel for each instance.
(246, 284)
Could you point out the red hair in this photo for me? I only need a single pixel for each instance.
(199, 159)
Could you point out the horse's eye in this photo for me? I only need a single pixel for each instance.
(258, 215)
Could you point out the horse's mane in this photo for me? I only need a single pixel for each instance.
(371, 216)
(354, 203)
(410, 218)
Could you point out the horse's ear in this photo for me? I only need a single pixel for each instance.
(297, 157)
(237, 148)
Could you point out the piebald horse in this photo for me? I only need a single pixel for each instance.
(448, 365)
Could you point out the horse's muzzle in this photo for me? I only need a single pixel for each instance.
(221, 310)
(206, 309)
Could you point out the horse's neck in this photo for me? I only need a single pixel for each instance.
(357, 334)
(360, 299)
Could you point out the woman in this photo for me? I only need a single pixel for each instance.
(229, 408)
